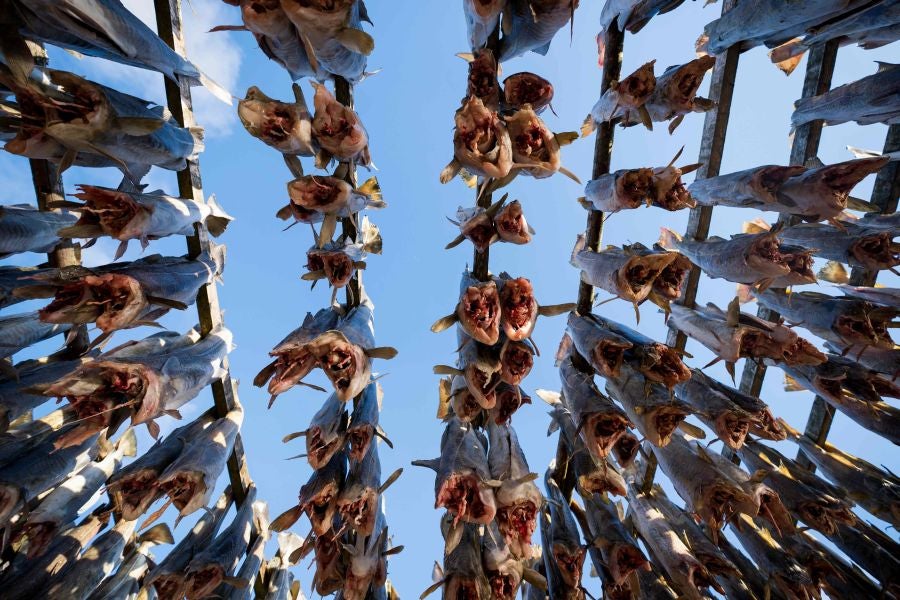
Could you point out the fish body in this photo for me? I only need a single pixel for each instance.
(535, 149)
(15, 401)
(128, 216)
(563, 552)
(675, 94)
(481, 142)
(633, 15)
(285, 126)
(518, 499)
(277, 37)
(624, 99)
(316, 198)
(886, 296)
(654, 411)
(327, 432)
(822, 192)
(752, 188)
(190, 479)
(603, 349)
(358, 502)
(20, 331)
(504, 571)
(482, 18)
(622, 190)
(337, 129)
(462, 575)
(869, 100)
(12, 278)
(364, 425)
(855, 246)
(524, 88)
(628, 273)
(333, 33)
(729, 421)
(617, 546)
(106, 29)
(24, 228)
(533, 23)
(247, 572)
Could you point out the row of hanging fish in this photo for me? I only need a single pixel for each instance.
(73, 486)
(343, 497)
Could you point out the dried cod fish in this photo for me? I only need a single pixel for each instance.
(531, 25)
(624, 99)
(24, 228)
(285, 126)
(869, 100)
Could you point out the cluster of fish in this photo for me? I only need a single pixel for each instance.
(498, 132)
(515, 27)
(309, 38)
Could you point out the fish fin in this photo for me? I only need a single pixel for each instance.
(565, 138)
(127, 444)
(757, 225)
(294, 436)
(668, 239)
(138, 126)
(554, 310)
(450, 171)
(692, 430)
(381, 433)
(219, 28)
(447, 370)
(733, 314)
(814, 162)
(177, 305)
(393, 551)
(466, 56)
(390, 480)
(443, 410)
(569, 174)
(588, 127)
(834, 272)
(158, 534)
(284, 213)
(326, 231)
(543, 50)
(861, 205)
(469, 178)
(792, 385)
(674, 123)
(550, 397)
(729, 367)
(383, 352)
(265, 374)
(431, 463)
(456, 242)
(431, 589)
(286, 519)
(66, 161)
(644, 114)
(534, 578)
(356, 40)
(565, 347)
(294, 165)
(313, 276)
(444, 323)
(236, 582)
(744, 293)
(371, 188)
(453, 538)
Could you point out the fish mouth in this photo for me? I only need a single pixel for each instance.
(465, 498)
(527, 88)
(824, 516)
(184, 488)
(635, 88)
(321, 508)
(602, 431)
(635, 279)
(676, 197)
(326, 5)
(857, 327)
(635, 185)
(290, 368)
(569, 563)
(841, 178)
(342, 362)
(772, 510)
(338, 130)
(519, 308)
(664, 420)
(876, 250)
(625, 449)
(170, 586)
(531, 143)
(511, 225)
(764, 257)
(800, 262)
(463, 588)
(483, 76)
(608, 356)
(603, 479)
(662, 364)
(517, 522)
(328, 577)
(114, 213)
(481, 384)
(465, 406)
(480, 313)
(624, 559)
(201, 583)
(480, 231)
(360, 438)
(732, 429)
(133, 495)
(508, 402)
(359, 513)
(339, 268)
(770, 179)
(318, 450)
(516, 362)
(317, 193)
(670, 279)
(111, 301)
(766, 427)
(719, 503)
(503, 586)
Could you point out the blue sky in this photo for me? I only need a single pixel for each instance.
(408, 109)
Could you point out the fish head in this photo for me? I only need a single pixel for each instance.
(669, 191)
(516, 361)
(467, 497)
(338, 266)
(682, 88)
(344, 363)
(718, 500)
(662, 364)
(533, 144)
(359, 439)
(322, 194)
(321, 445)
(261, 15)
(732, 428)
(763, 257)
(842, 177)
(364, 568)
(133, 494)
(481, 141)
(40, 535)
(634, 186)
(511, 225)
(634, 279)
(330, 565)
(527, 88)
(112, 301)
(800, 261)
(336, 127)
(482, 378)
(319, 502)
(509, 399)
(769, 506)
(569, 561)
(112, 212)
(359, 511)
(876, 249)
(170, 585)
(486, 8)
(768, 179)
(281, 125)
(479, 230)
(464, 404)
(519, 308)
(187, 490)
(601, 431)
(637, 87)
(81, 113)
(479, 312)
(860, 322)
(203, 582)
(517, 515)
(624, 559)
(483, 82)
(626, 448)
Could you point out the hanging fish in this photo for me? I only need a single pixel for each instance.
(359, 500)
(621, 553)
(338, 131)
(519, 309)
(20, 331)
(603, 349)
(482, 18)
(367, 566)
(285, 126)
(633, 15)
(505, 572)
(481, 142)
(318, 497)
(479, 365)
(462, 575)
(520, 89)
(536, 149)
(15, 401)
(477, 312)
(364, 427)
(850, 244)
(653, 410)
(24, 228)
(340, 260)
(873, 551)
(675, 94)
(563, 552)
(866, 101)
(510, 398)
(531, 25)
(623, 99)
(482, 76)
(326, 433)
(12, 278)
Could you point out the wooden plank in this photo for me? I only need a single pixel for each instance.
(819, 71)
(884, 195)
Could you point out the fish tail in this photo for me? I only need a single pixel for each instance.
(668, 239)
(197, 134)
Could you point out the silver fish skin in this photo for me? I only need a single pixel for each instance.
(367, 568)
(654, 411)
(856, 246)
(504, 571)
(20, 331)
(621, 190)
(518, 498)
(277, 37)
(39, 470)
(281, 578)
(627, 274)
(61, 506)
(809, 503)
(124, 584)
(122, 295)
(745, 258)
(15, 401)
(685, 571)
(563, 552)
(167, 578)
(462, 475)
(633, 15)
(626, 100)
(318, 496)
(618, 548)
(869, 100)
(600, 421)
(24, 228)
(333, 31)
(880, 360)
(822, 192)
(482, 18)
(847, 580)
(886, 296)
(827, 382)
(462, 575)
(128, 216)
(247, 572)
(191, 478)
(729, 421)
(24, 437)
(779, 22)
(12, 278)
(752, 188)
(221, 557)
(363, 426)
(889, 221)
(603, 349)
(873, 550)
(106, 29)
(840, 320)
(358, 502)
(780, 568)
(326, 433)
(533, 23)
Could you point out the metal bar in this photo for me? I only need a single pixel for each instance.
(884, 195)
(343, 93)
(819, 71)
(612, 69)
